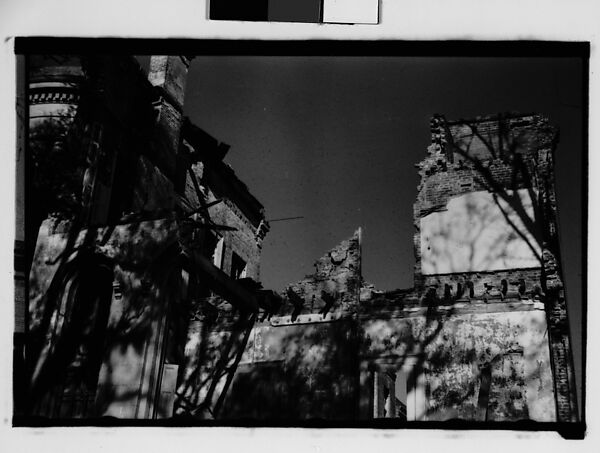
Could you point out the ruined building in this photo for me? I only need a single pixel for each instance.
(144, 298)
(133, 220)
(481, 336)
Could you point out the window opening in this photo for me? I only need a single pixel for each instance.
(401, 393)
(238, 267)
(218, 252)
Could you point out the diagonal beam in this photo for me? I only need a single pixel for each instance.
(223, 284)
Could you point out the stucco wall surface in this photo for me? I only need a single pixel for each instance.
(478, 232)
(453, 349)
(300, 371)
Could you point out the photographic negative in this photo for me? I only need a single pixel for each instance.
(172, 205)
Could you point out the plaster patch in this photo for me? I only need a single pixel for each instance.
(474, 235)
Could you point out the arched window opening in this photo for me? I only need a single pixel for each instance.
(71, 360)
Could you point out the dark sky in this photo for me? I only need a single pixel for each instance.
(335, 139)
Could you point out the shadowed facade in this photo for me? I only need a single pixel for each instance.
(144, 295)
(146, 223)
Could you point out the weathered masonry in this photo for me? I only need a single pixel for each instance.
(498, 236)
(133, 223)
(492, 342)
(142, 250)
(482, 335)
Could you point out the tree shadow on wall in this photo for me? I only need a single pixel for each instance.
(473, 235)
(388, 349)
(71, 334)
(456, 369)
(212, 357)
(77, 261)
(510, 164)
(525, 147)
(299, 372)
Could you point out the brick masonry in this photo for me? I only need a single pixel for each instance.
(287, 365)
(313, 354)
(144, 183)
(483, 154)
(333, 323)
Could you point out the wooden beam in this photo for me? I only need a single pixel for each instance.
(223, 284)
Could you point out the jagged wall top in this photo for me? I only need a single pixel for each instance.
(334, 286)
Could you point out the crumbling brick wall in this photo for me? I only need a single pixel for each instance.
(334, 286)
(500, 154)
(144, 169)
(302, 362)
(460, 162)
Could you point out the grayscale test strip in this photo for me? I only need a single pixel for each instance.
(307, 11)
